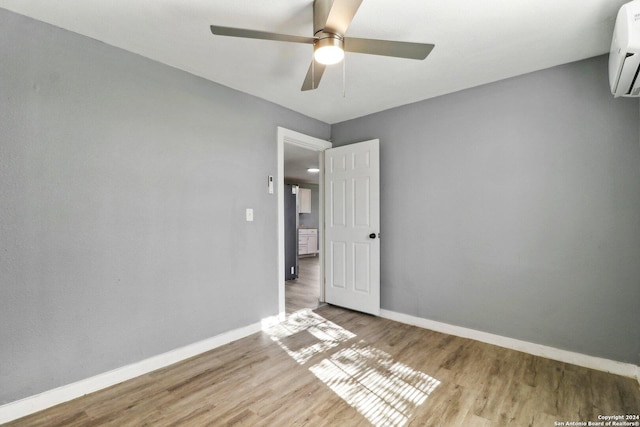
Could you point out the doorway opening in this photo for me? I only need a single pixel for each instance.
(302, 261)
(304, 229)
(302, 221)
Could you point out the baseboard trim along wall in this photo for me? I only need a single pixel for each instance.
(598, 363)
(47, 399)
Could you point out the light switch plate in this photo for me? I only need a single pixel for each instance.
(249, 214)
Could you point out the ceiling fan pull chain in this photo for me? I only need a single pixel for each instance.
(344, 77)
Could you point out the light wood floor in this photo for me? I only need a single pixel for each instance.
(334, 367)
(304, 291)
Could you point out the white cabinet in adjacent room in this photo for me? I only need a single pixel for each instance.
(304, 200)
(307, 241)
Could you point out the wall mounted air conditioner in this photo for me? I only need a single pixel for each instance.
(624, 57)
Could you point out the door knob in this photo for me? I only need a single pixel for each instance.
(372, 235)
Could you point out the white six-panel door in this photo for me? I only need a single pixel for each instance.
(352, 230)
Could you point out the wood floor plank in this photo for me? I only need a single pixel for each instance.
(304, 292)
(442, 407)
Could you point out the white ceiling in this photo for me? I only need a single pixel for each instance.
(296, 162)
(477, 41)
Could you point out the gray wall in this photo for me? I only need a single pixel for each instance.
(123, 186)
(514, 208)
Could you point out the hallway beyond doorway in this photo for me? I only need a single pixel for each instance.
(304, 291)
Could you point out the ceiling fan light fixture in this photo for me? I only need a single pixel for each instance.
(329, 50)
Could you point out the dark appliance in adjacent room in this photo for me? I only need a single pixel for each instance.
(290, 232)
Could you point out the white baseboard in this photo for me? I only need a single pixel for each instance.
(47, 399)
(600, 364)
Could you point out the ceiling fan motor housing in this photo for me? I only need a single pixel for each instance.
(325, 39)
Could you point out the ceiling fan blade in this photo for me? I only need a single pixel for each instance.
(262, 35)
(340, 15)
(312, 80)
(388, 48)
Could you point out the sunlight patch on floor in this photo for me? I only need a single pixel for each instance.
(384, 391)
(304, 334)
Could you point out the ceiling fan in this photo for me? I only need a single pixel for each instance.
(331, 18)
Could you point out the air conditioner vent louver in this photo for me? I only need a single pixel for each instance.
(634, 90)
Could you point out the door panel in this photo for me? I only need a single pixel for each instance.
(337, 198)
(352, 209)
(361, 205)
(361, 262)
(338, 264)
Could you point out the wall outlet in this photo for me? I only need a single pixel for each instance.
(293, 271)
(249, 214)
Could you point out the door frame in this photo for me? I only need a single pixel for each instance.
(287, 136)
